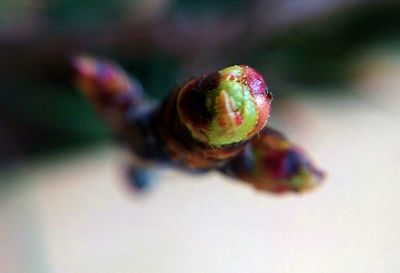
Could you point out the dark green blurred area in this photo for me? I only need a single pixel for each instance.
(297, 45)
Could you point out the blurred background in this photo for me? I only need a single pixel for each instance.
(334, 70)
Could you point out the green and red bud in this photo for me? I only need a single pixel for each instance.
(225, 107)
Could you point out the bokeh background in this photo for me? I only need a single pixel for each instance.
(334, 69)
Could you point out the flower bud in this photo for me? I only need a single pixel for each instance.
(106, 84)
(272, 163)
(225, 107)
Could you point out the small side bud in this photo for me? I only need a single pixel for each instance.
(109, 88)
(106, 84)
(272, 163)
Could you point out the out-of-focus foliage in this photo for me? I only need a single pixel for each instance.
(321, 53)
(297, 45)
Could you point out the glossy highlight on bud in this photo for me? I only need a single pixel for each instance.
(225, 107)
